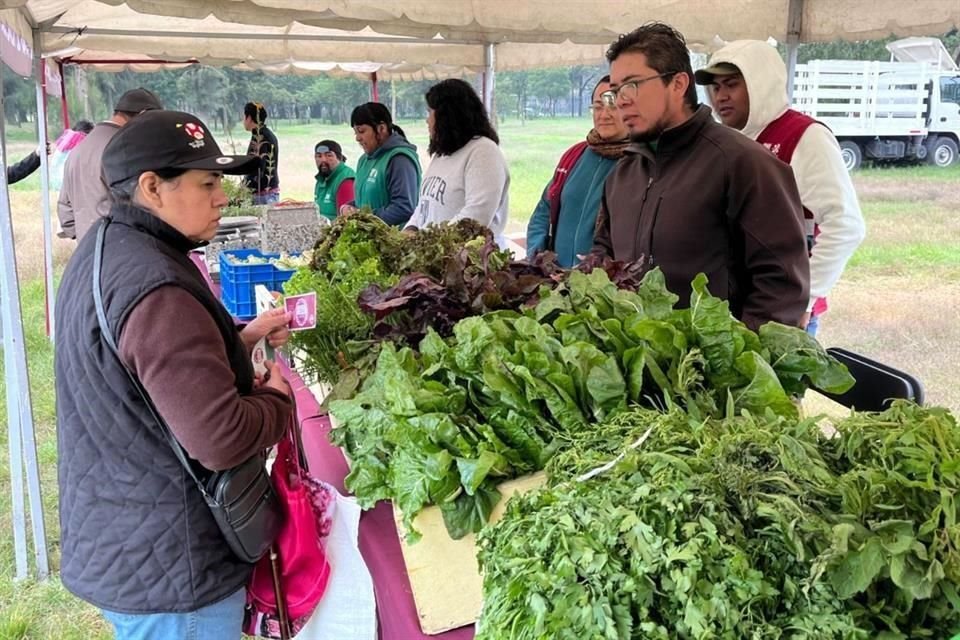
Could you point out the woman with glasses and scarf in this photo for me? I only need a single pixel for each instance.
(564, 220)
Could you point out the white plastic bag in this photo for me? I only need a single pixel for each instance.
(348, 610)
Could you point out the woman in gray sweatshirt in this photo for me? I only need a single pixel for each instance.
(468, 175)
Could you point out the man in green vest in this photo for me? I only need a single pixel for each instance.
(335, 179)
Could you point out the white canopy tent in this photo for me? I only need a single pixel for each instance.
(402, 39)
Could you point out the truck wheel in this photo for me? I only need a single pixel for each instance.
(851, 153)
(941, 152)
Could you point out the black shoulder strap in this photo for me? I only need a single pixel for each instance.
(111, 343)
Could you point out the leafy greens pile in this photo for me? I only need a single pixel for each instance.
(477, 279)
(748, 526)
(352, 254)
(508, 390)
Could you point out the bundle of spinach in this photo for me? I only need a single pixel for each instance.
(532, 381)
(446, 425)
(750, 526)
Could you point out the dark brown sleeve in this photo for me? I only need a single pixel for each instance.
(601, 231)
(765, 203)
(174, 347)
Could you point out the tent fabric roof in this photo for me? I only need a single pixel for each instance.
(409, 37)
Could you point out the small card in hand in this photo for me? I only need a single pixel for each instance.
(303, 311)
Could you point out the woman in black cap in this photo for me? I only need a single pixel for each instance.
(138, 539)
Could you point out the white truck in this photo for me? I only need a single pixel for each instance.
(906, 109)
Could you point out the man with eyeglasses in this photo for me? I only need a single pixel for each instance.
(693, 196)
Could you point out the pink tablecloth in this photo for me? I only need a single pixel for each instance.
(379, 542)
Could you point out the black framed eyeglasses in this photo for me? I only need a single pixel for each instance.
(630, 89)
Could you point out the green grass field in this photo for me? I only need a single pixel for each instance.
(899, 301)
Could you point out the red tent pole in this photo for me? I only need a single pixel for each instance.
(374, 91)
(63, 97)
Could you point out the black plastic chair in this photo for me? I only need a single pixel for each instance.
(877, 384)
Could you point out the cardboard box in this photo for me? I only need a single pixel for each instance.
(444, 576)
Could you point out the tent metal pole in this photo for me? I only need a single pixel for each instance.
(489, 78)
(64, 107)
(19, 411)
(27, 425)
(39, 69)
(794, 30)
(291, 37)
(374, 89)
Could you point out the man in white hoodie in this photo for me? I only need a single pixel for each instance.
(747, 85)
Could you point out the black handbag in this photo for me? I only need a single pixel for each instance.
(242, 499)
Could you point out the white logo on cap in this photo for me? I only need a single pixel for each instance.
(224, 160)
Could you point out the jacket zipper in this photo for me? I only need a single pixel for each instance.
(643, 201)
(653, 229)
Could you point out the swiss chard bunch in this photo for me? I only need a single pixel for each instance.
(700, 358)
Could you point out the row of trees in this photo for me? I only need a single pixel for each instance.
(218, 94)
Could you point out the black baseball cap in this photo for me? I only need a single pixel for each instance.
(138, 100)
(707, 74)
(158, 140)
(329, 145)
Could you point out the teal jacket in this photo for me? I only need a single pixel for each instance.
(579, 204)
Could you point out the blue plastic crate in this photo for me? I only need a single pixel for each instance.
(239, 310)
(237, 281)
(281, 276)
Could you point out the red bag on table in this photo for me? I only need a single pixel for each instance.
(299, 568)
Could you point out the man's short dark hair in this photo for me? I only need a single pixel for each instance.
(256, 111)
(665, 49)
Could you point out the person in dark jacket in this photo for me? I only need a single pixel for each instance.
(692, 196)
(25, 168)
(138, 539)
(388, 172)
(263, 180)
(574, 191)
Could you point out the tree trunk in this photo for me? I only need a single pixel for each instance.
(393, 98)
(83, 86)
